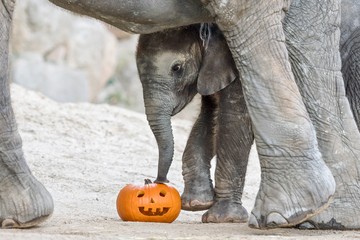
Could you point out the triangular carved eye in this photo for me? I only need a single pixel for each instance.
(162, 193)
(140, 194)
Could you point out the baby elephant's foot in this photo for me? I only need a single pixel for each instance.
(24, 202)
(226, 211)
(197, 198)
(291, 192)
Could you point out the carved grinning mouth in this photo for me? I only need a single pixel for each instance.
(150, 212)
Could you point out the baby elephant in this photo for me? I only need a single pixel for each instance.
(173, 66)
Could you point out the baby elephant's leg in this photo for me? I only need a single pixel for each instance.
(234, 140)
(200, 149)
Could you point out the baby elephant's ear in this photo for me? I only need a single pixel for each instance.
(218, 69)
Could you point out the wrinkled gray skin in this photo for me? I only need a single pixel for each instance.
(172, 65)
(287, 53)
(350, 53)
(338, 137)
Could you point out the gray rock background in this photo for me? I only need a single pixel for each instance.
(72, 58)
(124, 87)
(67, 57)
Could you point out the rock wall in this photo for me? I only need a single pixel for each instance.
(65, 56)
(124, 87)
(72, 58)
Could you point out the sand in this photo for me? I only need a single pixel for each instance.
(85, 153)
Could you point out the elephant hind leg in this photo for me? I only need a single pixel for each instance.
(24, 202)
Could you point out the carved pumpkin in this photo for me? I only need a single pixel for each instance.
(152, 202)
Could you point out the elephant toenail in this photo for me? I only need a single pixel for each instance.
(253, 223)
(8, 223)
(306, 225)
(195, 203)
(275, 219)
(231, 220)
(207, 218)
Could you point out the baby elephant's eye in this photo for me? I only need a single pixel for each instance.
(176, 67)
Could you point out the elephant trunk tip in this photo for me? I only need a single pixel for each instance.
(161, 180)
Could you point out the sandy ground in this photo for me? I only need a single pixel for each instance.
(84, 154)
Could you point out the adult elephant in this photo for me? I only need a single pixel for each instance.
(295, 131)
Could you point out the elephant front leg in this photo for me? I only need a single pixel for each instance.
(316, 63)
(295, 182)
(234, 140)
(24, 202)
(200, 149)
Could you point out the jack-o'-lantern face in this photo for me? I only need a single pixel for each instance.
(150, 203)
(153, 202)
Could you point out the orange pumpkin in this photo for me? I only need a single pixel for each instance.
(153, 202)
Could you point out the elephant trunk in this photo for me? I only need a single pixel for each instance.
(160, 123)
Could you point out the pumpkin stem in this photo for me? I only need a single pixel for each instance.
(147, 181)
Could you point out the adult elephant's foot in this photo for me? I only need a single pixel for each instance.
(344, 211)
(292, 192)
(226, 211)
(323, 91)
(24, 201)
(197, 196)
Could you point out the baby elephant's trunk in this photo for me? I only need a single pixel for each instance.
(160, 123)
